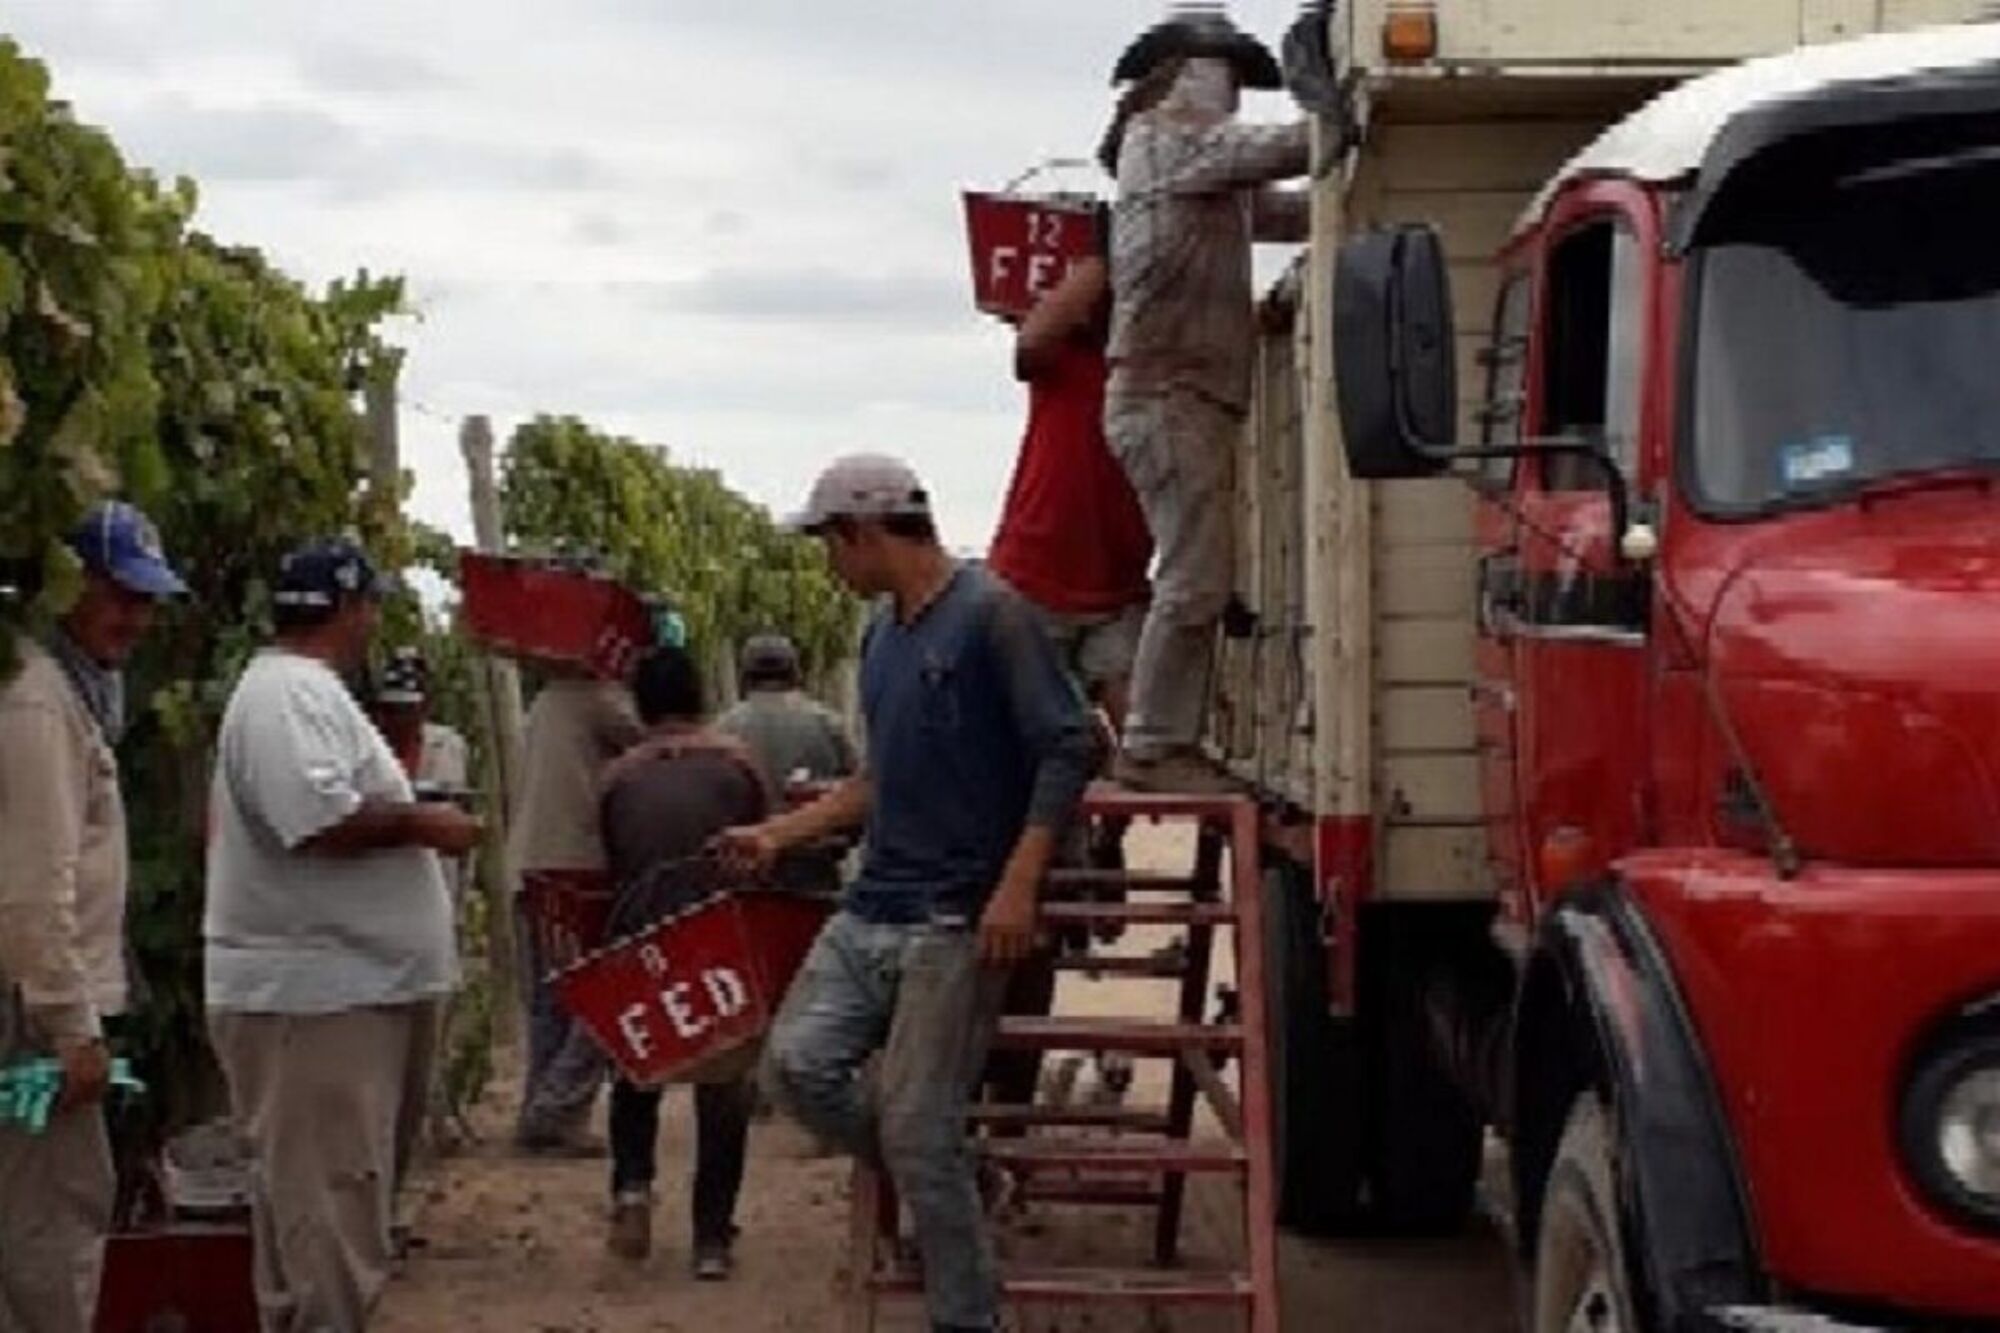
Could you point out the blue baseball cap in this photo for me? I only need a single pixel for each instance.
(119, 543)
(327, 572)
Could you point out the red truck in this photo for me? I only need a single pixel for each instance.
(1634, 789)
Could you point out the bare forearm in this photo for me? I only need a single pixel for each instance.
(1028, 865)
(376, 826)
(841, 809)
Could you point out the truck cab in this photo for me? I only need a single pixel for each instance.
(1661, 830)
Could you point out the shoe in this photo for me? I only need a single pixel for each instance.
(576, 1143)
(1183, 773)
(631, 1235)
(713, 1261)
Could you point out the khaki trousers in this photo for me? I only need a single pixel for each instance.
(330, 1105)
(56, 1192)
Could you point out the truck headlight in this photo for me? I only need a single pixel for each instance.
(1950, 1126)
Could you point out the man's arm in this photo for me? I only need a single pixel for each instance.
(41, 839)
(844, 807)
(385, 825)
(1281, 216)
(1049, 714)
(1232, 156)
(1070, 307)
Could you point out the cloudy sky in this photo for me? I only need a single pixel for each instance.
(730, 227)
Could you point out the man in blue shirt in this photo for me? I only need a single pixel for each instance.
(979, 748)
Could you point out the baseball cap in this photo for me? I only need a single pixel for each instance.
(770, 655)
(327, 572)
(862, 486)
(406, 678)
(118, 542)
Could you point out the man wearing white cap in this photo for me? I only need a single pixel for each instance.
(63, 873)
(979, 748)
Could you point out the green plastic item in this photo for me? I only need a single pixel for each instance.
(29, 1090)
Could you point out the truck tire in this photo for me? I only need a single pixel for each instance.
(1426, 1141)
(1315, 1064)
(1582, 1283)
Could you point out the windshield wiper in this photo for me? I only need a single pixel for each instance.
(1956, 476)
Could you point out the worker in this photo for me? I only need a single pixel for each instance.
(1072, 539)
(795, 738)
(63, 873)
(432, 754)
(329, 944)
(576, 726)
(978, 752)
(664, 801)
(1073, 542)
(1190, 200)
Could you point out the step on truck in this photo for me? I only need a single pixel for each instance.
(1618, 657)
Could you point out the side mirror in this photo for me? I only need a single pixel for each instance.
(1395, 363)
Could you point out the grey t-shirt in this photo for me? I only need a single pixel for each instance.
(289, 931)
(791, 735)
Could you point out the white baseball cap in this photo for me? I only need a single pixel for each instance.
(862, 486)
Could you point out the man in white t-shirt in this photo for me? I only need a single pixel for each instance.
(329, 947)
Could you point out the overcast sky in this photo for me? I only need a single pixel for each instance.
(730, 227)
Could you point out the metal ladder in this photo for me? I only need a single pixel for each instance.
(1137, 1156)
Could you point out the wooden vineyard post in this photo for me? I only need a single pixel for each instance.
(502, 718)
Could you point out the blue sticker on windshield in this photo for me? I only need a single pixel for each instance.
(1821, 459)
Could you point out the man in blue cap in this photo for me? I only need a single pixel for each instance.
(63, 872)
(329, 946)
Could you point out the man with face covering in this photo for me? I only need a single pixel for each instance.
(1191, 199)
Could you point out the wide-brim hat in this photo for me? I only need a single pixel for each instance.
(1195, 32)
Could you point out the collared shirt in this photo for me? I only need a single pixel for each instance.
(289, 931)
(974, 732)
(63, 862)
(1188, 206)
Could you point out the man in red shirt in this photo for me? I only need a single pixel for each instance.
(1072, 538)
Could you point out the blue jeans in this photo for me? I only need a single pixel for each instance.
(918, 995)
(566, 1066)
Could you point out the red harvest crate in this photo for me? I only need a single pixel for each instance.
(1023, 244)
(566, 909)
(691, 991)
(549, 611)
(191, 1278)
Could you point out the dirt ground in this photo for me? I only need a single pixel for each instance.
(511, 1245)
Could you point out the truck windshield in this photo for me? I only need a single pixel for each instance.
(1850, 334)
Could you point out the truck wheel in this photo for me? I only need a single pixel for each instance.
(1426, 1140)
(1315, 1065)
(1582, 1284)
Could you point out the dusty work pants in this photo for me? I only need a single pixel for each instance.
(326, 1102)
(56, 1195)
(1178, 449)
(918, 995)
(565, 1066)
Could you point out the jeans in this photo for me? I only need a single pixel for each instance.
(1178, 449)
(565, 1066)
(722, 1128)
(918, 995)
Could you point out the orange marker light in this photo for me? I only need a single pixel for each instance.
(1568, 858)
(1410, 32)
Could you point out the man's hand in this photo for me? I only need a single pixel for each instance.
(1007, 928)
(748, 849)
(86, 1073)
(447, 829)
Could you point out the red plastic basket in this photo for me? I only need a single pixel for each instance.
(688, 994)
(567, 910)
(1023, 244)
(187, 1277)
(550, 611)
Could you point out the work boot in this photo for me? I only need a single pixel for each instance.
(1182, 773)
(631, 1235)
